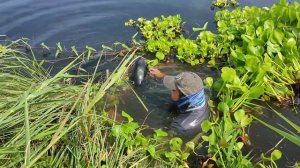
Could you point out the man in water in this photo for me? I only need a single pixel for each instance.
(187, 92)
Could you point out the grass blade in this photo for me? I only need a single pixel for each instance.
(293, 138)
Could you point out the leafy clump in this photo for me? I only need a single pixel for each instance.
(224, 3)
(223, 135)
(261, 44)
(163, 37)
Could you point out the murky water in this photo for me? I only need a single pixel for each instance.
(94, 22)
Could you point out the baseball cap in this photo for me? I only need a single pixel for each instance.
(187, 82)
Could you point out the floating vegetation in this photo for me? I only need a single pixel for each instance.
(224, 3)
(262, 49)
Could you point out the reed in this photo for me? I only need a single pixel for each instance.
(47, 122)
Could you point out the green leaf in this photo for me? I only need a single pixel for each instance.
(170, 155)
(57, 53)
(239, 114)
(240, 145)
(104, 47)
(125, 46)
(175, 144)
(276, 155)
(291, 42)
(153, 62)
(130, 127)
(209, 81)
(116, 130)
(184, 156)
(276, 36)
(205, 138)
(190, 145)
(269, 25)
(195, 29)
(160, 133)
(74, 50)
(256, 91)
(228, 74)
(217, 86)
(223, 107)
(247, 38)
(151, 150)
(246, 120)
(45, 46)
(206, 125)
(129, 118)
(58, 45)
(160, 55)
(252, 63)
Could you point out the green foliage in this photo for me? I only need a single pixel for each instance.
(261, 44)
(187, 50)
(154, 146)
(163, 37)
(275, 155)
(223, 135)
(158, 34)
(224, 3)
(47, 122)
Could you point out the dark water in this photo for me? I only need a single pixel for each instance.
(94, 22)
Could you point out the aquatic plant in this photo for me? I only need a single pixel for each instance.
(257, 44)
(275, 155)
(163, 37)
(223, 138)
(263, 49)
(224, 3)
(48, 122)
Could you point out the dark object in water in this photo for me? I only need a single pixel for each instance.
(296, 89)
(139, 71)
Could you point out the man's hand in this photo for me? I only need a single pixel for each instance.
(156, 73)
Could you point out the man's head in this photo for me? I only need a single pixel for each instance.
(187, 83)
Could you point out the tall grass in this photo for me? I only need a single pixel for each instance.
(46, 122)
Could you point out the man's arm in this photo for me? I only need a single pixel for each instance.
(155, 73)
